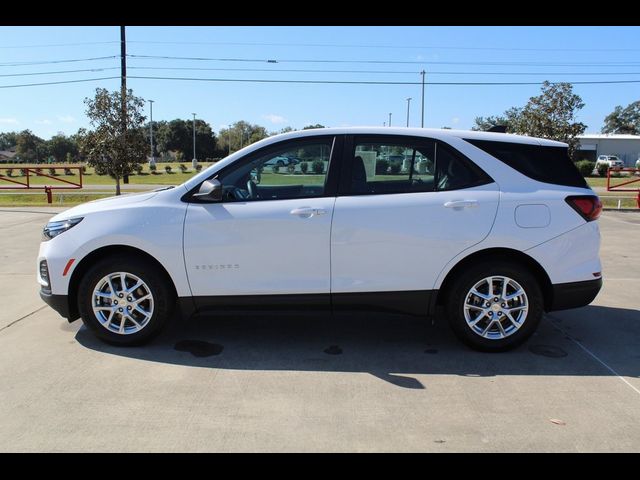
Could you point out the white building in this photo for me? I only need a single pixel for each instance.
(625, 147)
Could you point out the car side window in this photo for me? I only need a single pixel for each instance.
(296, 171)
(453, 173)
(392, 168)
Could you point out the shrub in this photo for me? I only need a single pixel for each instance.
(585, 167)
(9, 172)
(84, 169)
(382, 166)
(275, 168)
(317, 166)
(68, 171)
(23, 172)
(153, 168)
(198, 167)
(291, 168)
(394, 168)
(167, 168)
(182, 168)
(38, 171)
(304, 167)
(602, 169)
(138, 168)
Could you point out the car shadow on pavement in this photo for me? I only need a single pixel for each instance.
(393, 348)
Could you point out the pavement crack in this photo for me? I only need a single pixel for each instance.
(22, 318)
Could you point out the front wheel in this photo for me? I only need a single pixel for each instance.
(124, 300)
(495, 306)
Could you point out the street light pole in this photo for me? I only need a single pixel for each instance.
(423, 73)
(194, 162)
(408, 103)
(389, 119)
(153, 160)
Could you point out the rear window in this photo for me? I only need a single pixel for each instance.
(545, 164)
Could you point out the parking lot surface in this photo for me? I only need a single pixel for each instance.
(292, 383)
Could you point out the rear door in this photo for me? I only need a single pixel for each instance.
(406, 207)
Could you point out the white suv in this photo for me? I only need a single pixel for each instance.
(495, 229)
(610, 161)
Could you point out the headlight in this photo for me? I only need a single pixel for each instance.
(53, 229)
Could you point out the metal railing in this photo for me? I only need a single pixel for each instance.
(23, 181)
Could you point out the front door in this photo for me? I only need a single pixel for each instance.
(271, 232)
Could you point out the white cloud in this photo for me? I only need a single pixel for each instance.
(274, 118)
(66, 118)
(45, 121)
(455, 120)
(9, 121)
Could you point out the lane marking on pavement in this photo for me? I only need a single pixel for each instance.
(593, 355)
(27, 315)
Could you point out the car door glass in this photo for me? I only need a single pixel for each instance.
(392, 168)
(297, 171)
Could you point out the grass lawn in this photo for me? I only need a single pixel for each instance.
(40, 200)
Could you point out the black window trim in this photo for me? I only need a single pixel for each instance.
(348, 155)
(333, 173)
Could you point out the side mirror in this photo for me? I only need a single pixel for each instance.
(210, 190)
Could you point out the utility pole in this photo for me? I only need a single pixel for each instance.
(384, 124)
(229, 138)
(153, 159)
(123, 94)
(389, 119)
(408, 103)
(423, 73)
(194, 162)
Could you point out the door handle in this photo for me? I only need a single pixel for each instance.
(307, 212)
(461, 204)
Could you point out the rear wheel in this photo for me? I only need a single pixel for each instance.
(495, 306)
(125, 300)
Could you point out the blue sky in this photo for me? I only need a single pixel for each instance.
(604, 53)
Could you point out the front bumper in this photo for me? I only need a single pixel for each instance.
(60, 303)
(574, 294)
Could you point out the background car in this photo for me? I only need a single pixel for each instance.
(610, 160)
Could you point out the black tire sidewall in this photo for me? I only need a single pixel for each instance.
(163, 298)
(468, 279)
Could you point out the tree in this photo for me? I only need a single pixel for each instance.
(117, 145)
(177, 135)
(317, 125)
(61, 147)
(240, 134)
(8, 140)
(30, 147)
(552, 114)
(623, 120)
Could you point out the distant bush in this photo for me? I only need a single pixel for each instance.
(317, 166)
(84, 169)
(585, 167)
(291, 168)
(38, 171)
(68, 171)
(394, 168)
(182, 168)
(138, 168)
(602, 169)
(198, 167)
(153, 168)
(304, 167)
(167, 168)
(382, 166)
(275, 168)
(23, 172)
(9, 172)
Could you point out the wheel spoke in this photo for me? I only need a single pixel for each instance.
(133, 321)
(474, 291)
(145, 297)
(480, 316)
(505, 284)
(138, 309)
(109, 318)
(135, 287)
(113, 290)
(487, 328)
(103, 295)
(512, 320)
(516, 294)
(502, 332)
(123, 282)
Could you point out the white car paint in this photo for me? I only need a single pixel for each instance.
(364, 243)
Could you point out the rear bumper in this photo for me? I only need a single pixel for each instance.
(574, 294)
(60, 303)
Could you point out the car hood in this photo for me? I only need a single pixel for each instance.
(104, 204)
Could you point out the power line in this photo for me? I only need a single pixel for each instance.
(394, 62)
(58, 45)
(46, 62)
(425, 47)
(58, 83)
(102, 69)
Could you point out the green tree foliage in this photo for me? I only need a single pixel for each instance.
(30, 147)
(240, 134)
(177, 135)
(585, 167)
(117, 144)
(623, 120)
(317, 125)
(61, 147)
(8, 140)
(552, 114)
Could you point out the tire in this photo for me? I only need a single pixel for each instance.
(138, 327)
(506, 331)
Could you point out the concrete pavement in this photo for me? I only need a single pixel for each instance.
(377, 383)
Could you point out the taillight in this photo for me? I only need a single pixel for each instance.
(588, 206)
